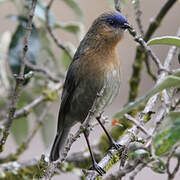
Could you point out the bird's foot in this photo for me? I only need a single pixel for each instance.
(121, 149)
(117, 146)
(98, 169)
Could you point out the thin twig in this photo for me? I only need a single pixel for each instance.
(57, 42)
(136, 123)
(138, 14)
(172, 174)
(157, 21)
(148, 50)
(27, 36)
(137, 170)
(19, 80)
(45, 71)
(148, 68)
(117, 5)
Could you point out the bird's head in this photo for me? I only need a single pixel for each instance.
(111, 26)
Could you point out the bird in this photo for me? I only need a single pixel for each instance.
(95, 65)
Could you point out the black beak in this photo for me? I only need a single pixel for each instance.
(126, 26)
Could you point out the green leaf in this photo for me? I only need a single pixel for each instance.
(38, 110)
(65, 59)
(2, 102)
(72, 27)
(169, 81)
(74, 5)
(40, 12)
(46, 48)
(168, 135)
(19, 129)
(159, 166)
(139, 153)
(16, 46)
(165, 40)
(47, 129)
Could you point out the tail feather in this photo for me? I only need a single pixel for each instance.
(58, 145)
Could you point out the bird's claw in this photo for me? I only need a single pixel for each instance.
(98, 169)
(116, 145)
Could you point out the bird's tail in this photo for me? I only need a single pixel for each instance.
(59, 144)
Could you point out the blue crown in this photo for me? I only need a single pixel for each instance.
(117, 17)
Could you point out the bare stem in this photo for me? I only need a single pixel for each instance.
(19, 80)
(138, 14)
(48, 26)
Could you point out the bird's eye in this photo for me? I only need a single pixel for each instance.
(111, 22)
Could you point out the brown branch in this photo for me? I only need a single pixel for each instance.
(27, 36)
(57, 42)
(149, 70)
(19, 80)
(157, 21)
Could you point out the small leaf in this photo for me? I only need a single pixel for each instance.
(51, 95)
(38, 110)
(46, 48)
(65, 59)
(16, 46)
(74, 5)
(165, 40)
(72, 27)
(20, 129)
(139, 154)
(167, 82)
(168, 135)
(2, 102)
(159, 166)
(47, 129)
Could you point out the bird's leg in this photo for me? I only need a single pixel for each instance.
(100, 170)
(112, 141)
